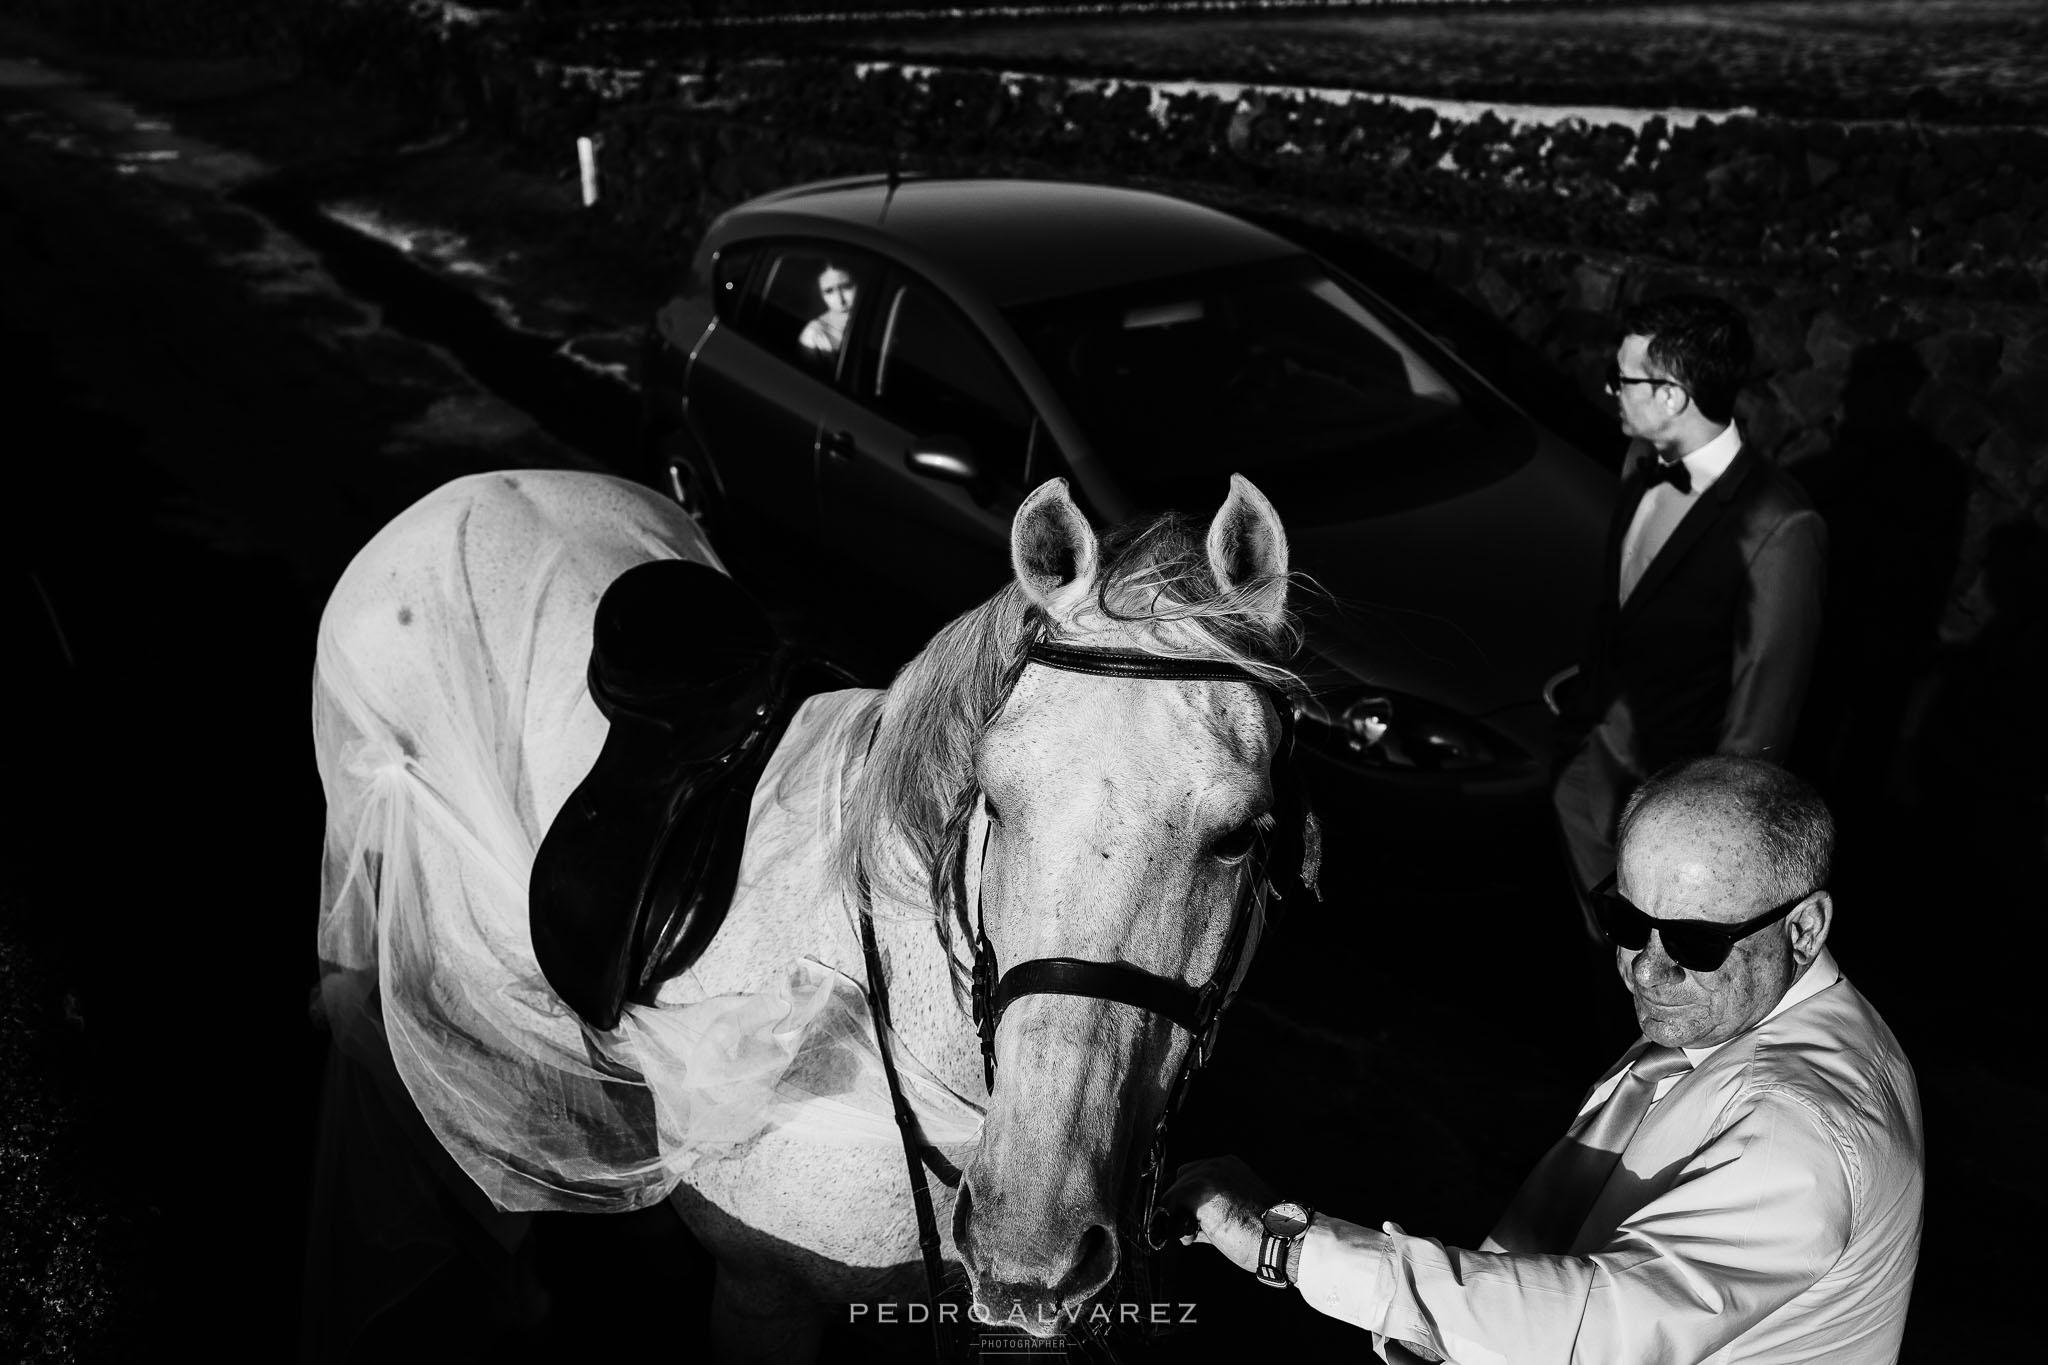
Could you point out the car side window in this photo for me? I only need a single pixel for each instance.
(803, 300)
(933, 373)
(728, 278)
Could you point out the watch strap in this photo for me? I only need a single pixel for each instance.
(1280, 1256)
(1273, 1251)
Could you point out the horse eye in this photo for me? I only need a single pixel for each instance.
(1236, 844)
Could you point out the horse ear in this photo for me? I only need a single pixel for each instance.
(1052, 550)
(1248, 548)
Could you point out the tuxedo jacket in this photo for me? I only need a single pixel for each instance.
(1714, 647)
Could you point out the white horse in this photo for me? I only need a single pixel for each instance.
(1100, 818)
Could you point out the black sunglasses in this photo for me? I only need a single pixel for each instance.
(1698, 945)
(1617, 381)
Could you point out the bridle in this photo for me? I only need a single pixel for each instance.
(1291, 839)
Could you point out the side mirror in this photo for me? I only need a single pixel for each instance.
(949, 459)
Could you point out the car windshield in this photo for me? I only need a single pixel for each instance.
(1275, 371)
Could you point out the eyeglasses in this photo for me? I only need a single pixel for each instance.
(1698, 945)
(1617, 381)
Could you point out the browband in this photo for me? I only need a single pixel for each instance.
(1131, 663)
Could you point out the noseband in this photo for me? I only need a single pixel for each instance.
(1198, 1010)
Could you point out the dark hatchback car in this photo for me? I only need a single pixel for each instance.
(890, 366)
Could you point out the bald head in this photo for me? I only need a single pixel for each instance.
(1767, 823)
(1723, 841)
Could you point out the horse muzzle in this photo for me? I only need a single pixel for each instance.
(1030, 1268)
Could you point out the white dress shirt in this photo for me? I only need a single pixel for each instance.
(1663, 507)
(1767, 1211)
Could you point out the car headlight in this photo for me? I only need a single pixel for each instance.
(1390, 731)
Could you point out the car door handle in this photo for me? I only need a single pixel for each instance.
(1557, 680)
(837, 445)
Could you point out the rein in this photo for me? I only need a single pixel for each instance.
(1197, 1010)
(918, 1153)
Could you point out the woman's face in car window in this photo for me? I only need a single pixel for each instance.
(836, 287)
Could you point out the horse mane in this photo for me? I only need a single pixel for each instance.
(907, 814)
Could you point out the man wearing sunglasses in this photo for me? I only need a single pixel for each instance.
(1708, 613)
(1744, 1185)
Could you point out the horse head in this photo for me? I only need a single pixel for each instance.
(1120, 821)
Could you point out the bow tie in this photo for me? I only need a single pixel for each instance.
(1675, 474)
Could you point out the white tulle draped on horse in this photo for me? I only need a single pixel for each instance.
(436, 806)
(452, 719)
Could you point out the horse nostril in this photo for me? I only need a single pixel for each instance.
(1094, 1268)
(963, 1204)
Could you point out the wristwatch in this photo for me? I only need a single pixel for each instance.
(1285, 1223)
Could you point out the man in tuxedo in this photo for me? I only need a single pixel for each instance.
(1745, 1184)
(1708, 617)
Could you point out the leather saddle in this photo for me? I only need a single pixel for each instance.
(637, 871)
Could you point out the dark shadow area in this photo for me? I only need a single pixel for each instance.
(1980, 759)
(1933, 756)
(1894, 498)
(406, 1259)
(1940, 884)
(151, 860)
(79, 1261)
